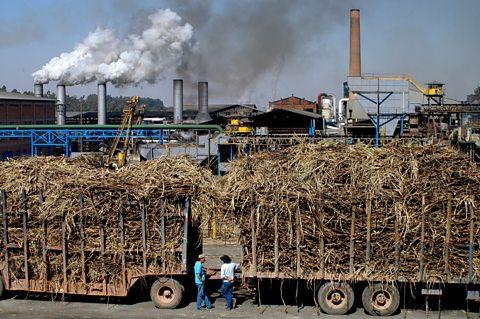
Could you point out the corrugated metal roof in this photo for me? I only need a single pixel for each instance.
(252, 107)
(211, 107)
(20, 96)
(304, 113)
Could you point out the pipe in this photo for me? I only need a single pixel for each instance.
(355, 58)
(202, 115)
(102, 103)
(61, 98)
(109, 127)
(38, 89)
(340, 109)
(319, 103)
(334, 106)
(177, 101)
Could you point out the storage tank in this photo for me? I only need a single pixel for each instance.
(326, 106)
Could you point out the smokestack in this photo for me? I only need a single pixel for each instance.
(355, 61)
(102, 103)
(202, 115)
(38, 89)
(177, 101)
(61, 98)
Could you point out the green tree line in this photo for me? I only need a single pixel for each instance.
(89, 102)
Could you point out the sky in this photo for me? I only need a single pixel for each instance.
(250, 51)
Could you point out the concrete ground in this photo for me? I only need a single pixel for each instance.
(43, 309)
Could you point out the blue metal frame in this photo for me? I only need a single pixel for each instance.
(376, 119)
(64, 137)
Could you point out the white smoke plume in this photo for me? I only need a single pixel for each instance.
(138, 58)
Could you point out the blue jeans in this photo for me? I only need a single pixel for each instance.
(201, 297)
(226, 292)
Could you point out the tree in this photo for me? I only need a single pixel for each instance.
(3, 89)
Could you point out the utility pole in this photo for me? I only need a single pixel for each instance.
(81, 122)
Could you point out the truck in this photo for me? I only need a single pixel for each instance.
(86, 250)
(349, 222)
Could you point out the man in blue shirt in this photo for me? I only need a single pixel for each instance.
(200, 282)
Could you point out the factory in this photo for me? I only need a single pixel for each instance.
(23, 109)
(334, 194)
(374, 107)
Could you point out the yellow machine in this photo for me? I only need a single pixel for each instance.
(236, 126)
(435, 89)
(126, 126)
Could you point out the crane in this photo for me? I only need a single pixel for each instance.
(125, 126)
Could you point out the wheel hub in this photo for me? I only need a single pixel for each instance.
(381, 299)
(166, 294)
(336, 297)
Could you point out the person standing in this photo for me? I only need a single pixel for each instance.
(227, 273)
(200, 282)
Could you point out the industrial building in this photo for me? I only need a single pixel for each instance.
(294, 103)
(23, 109)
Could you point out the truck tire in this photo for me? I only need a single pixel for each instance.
(166, 293)
(380, 299)
(335, 298)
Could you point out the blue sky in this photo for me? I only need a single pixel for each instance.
(255, 51)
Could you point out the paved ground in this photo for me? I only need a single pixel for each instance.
(43, 309)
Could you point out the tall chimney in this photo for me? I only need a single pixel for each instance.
(202, 115)
(355, 61)
(102, 103)
(177, 101)
(61, 98)
(38, 89)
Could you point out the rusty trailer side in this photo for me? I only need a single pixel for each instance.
(41, 276)
(381, 296)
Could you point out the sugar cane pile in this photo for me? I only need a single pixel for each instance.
(319, 199)
(105, 193)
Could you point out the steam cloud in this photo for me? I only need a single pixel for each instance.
(139, 58)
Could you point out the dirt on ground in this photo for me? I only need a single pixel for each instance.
(46, 309)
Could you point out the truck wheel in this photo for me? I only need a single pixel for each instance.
(380, 299)
(335, 298)
(166, 293)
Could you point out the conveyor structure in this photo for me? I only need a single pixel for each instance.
(63, 136)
